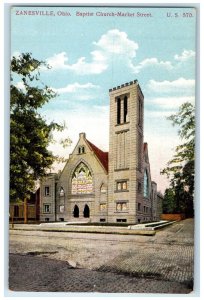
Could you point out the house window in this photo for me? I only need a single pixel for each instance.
(47, 208)
(103, 206)
(61, 208)
(121, 206)
(139, 206)
(146, 185)
(47, 191)
(121, 220)
(102, 220)
(121, 185)
(81, 150)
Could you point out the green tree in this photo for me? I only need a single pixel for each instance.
(181, 169)
(30, 135)
(169, 201)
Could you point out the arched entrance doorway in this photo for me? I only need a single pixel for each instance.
(76, 211)
(86, 211)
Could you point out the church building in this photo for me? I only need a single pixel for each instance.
(110, 187)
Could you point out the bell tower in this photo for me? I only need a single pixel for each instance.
(125, 152)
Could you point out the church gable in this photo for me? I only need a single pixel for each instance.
(84, 147)
(81, 146)
(85, 169)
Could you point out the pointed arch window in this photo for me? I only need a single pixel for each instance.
(82, 181)
(118, 111)
(61, 192)
(103, 189)
(146, 184)
(125, 117)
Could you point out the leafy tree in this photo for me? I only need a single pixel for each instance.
(181, 169)
(169, 201)
(30, 134)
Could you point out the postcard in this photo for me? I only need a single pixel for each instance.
(102, 149)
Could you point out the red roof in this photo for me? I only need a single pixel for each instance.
(102, 156)
(145, 146)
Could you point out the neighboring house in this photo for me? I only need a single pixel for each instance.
(97, 186)
(16, 209)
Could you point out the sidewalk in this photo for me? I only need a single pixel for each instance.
(165, 260)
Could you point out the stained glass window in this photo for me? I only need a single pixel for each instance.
(82, 181)
(146, 184)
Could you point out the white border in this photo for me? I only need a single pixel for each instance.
(4, 51)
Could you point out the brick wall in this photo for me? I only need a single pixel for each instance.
(173, 217)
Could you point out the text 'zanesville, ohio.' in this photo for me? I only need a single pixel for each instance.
(62, 13)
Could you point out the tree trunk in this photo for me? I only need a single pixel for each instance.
(25, 211)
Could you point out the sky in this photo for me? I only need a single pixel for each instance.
(93, 49)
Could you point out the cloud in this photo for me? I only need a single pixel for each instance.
(151, 62)
(185, 55)
(166, 103)
(117, 42)
(81, 67)
(20, 85)
(114, 45)
(113, 42)
(58, 61)
(156, 114)
(168, 65)
(180, 86)
(75, 87)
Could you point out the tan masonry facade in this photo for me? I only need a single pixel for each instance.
(97, 186)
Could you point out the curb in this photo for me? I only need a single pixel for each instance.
(92, 230)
